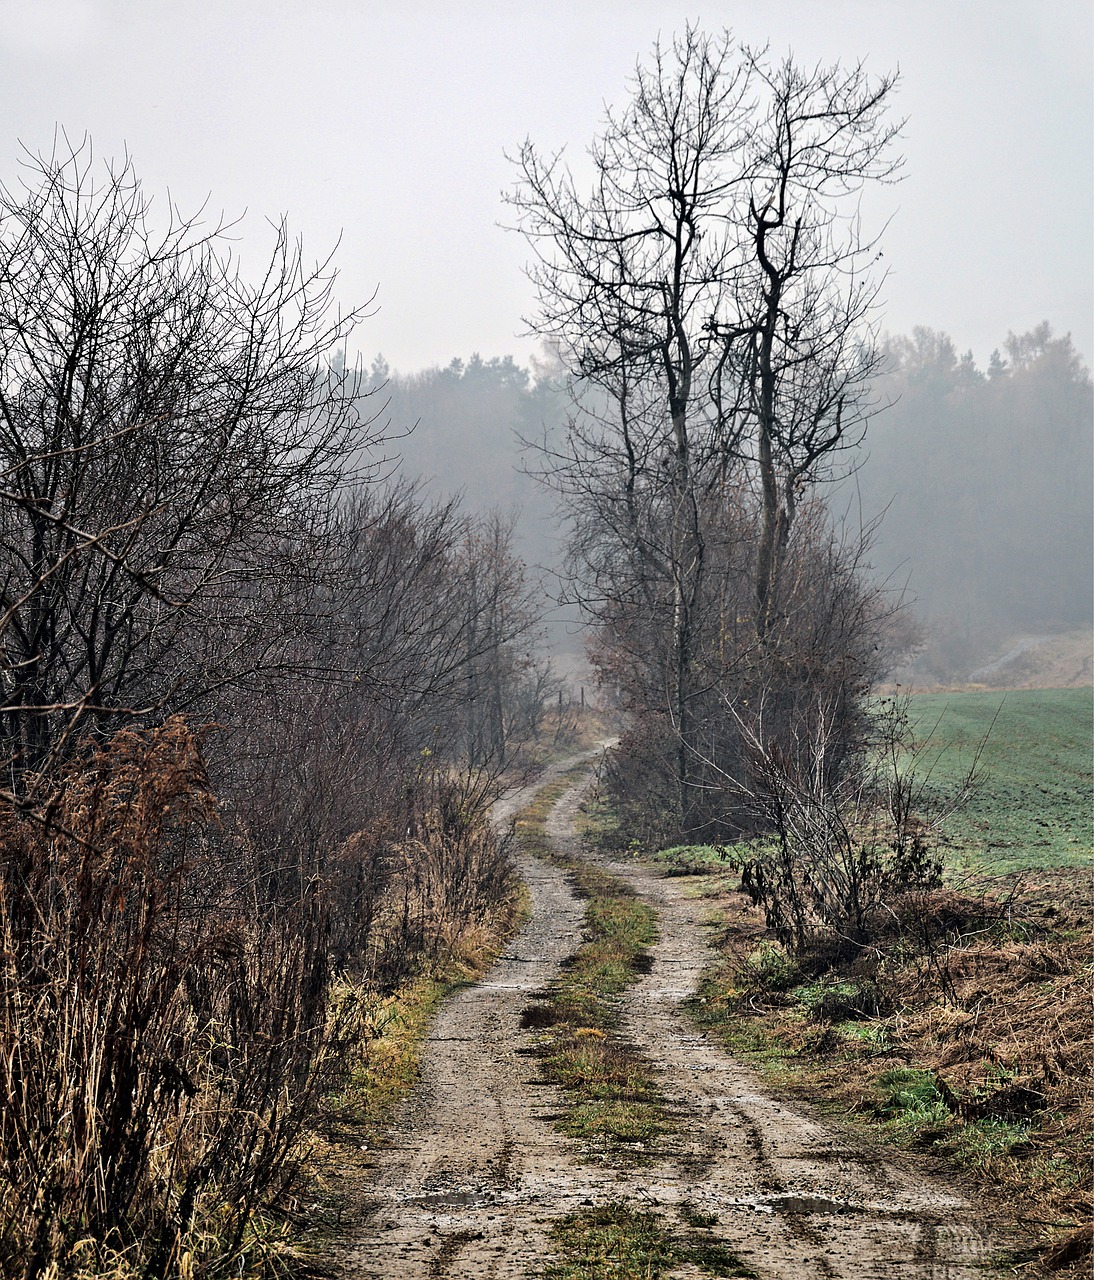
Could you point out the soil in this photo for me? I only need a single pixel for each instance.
(1060, 661)
(475, 1171)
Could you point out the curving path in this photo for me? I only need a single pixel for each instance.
(475, 1171)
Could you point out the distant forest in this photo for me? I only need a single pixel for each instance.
(979, 480)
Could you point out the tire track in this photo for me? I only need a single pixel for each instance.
(796, 1197)
(478, 1169)
(478, 1172)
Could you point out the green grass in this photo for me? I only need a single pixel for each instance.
(619, 1242)
(1032, 806)
(914, 1110)
(613, 1103)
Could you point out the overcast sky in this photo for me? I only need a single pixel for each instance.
(385, 122)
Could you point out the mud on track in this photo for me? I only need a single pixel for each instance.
(475, 1171)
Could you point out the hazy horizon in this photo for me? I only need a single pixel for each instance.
(389, 129)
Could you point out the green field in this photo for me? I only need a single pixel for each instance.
(1032, 803)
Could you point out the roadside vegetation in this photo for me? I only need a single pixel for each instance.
(162, 1125)
(958, 1023)
(258, 695)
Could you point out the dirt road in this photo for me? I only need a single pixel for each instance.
(476, 1171)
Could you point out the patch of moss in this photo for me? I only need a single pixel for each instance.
(619, 1241)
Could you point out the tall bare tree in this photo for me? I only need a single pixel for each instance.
(170, 438)
(799, 348)
(708, 296)
(627, 278)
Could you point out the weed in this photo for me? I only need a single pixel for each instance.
(172, 1028)
(874, 1035)
(609, 1085)
(693, 859)
(840, 1001)
(618, 1242)
(920, 1125)
(771, 968)
(695, 1217)
(985, 1140)
(907, 1092)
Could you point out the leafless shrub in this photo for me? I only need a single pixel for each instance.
(845, 843)
(170, 434)
(178, 531)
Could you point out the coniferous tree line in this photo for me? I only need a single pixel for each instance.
(984, 476)
(975, 482)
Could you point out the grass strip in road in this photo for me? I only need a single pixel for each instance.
(613, 1103)
(620, 1242)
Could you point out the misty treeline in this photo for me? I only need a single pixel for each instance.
(973, 483)
(985, 480)
(255, 705)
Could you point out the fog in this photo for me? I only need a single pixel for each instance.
(975, 481)
(385, 129)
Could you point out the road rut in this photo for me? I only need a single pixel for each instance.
(475, 1171)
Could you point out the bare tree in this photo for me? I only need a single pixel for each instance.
(170, 439)
(800, 352)
(627, 279)
(709, 297)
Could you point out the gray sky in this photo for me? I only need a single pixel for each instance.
(386, 122)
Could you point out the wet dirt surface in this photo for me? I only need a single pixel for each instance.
(793, 1195)
(475, 1171)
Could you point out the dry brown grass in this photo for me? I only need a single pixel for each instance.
(980, 999)
(166, 1023)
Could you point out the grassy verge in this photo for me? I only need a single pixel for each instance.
(993, 1076)
(969, 1039)
(392, 1030)
(613, 1103)
(964, 1030)
(621, 1242)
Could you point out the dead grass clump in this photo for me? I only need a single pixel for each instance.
(162, 1037)
(926, 915)
(1014, 1010)
(979, 1048)
(450, 887)
(170, 1012)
